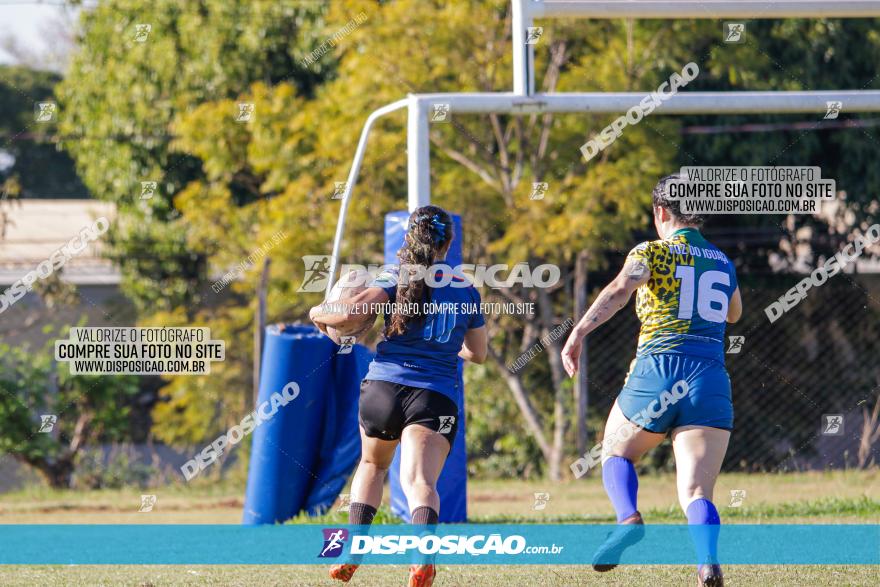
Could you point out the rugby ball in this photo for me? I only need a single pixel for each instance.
(348, 286)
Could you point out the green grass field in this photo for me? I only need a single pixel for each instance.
(822, 498)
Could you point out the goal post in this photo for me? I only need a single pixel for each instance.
(524, 101)
(524, 12)
(420, 108)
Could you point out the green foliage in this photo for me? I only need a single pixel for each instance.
(121, 97)
(87, 408)
(40, 169)
(118, 472)
(498, 446)
(794, 55)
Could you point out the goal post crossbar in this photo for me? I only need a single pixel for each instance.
(524, 13)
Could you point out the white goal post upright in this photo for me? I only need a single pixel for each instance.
(523, 100)
(525, 11)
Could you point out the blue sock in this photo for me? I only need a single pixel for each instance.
(705, 524)
(621, 485)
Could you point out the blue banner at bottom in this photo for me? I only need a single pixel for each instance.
(529, 544)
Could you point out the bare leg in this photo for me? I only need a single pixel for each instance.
(423, 454)
(624, 439)
(369, 479)
(366, 493)
(699, 452)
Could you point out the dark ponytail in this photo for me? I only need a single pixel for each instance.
(430, 229)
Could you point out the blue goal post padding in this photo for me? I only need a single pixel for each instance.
(302, 456)
(452, 485)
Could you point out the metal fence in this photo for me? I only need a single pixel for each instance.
(791, 379)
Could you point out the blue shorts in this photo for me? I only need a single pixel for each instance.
(651, 398)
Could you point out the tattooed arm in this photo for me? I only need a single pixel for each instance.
(615, 296)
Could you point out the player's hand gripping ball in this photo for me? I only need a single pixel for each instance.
(348, 286)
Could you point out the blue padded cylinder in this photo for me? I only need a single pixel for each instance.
(290, 450)
(340, 449)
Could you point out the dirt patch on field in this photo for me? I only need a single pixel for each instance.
(170, 505)
(489, 497)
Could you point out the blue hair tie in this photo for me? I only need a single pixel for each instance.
(438, 228)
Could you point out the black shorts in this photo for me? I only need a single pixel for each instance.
(385, 409)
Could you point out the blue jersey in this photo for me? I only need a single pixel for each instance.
(683, 306)
(426, 355)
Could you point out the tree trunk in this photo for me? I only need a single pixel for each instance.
(581, 389)
(870, 434)
(259, 333)
(58, 473)
(530, 414)
(557, 374)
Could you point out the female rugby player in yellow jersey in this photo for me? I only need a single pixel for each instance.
(687, 290)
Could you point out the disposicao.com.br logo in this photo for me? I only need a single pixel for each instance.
(431, 544)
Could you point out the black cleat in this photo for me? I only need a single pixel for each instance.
(628, 533)
(710, 576)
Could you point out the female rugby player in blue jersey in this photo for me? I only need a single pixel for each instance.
(409, 394)
(687, 289)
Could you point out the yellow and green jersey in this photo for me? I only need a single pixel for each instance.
(683, 306)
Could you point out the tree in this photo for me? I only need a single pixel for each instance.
(793, 55)
(125, 87)
(308, 79)
(48, 416)
(495, 157)
(119, 104)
